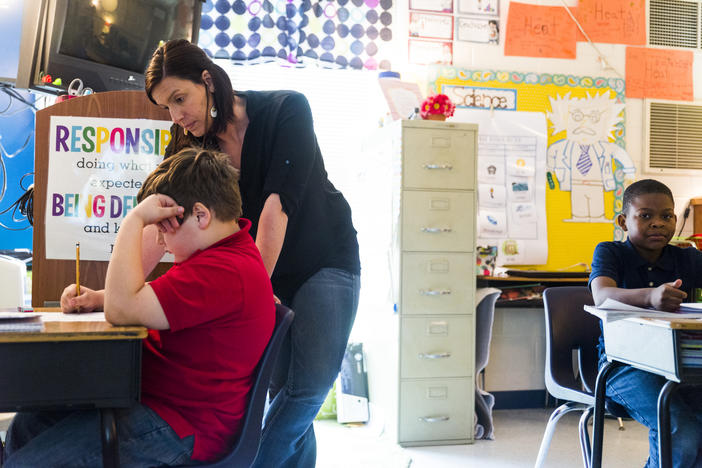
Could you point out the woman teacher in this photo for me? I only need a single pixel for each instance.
(300, 222)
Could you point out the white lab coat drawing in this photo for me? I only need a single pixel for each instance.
(588, 178)
(584, 160)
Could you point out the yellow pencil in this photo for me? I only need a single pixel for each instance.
(77, 268)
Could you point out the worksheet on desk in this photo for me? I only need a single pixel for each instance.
(20, 321)
(612, 309)
(61, 317)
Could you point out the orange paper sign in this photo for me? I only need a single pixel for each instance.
(539, 31)
(613, 21)
(659, 73)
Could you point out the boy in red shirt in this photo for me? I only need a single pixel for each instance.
(209, 318)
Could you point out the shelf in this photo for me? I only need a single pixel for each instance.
(520, 303)
(532, 279)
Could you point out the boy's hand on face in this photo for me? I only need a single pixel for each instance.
(668, 296)
(159, 209)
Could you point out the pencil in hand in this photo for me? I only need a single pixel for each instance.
(77, 268)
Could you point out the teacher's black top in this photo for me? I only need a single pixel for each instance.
(280, 155)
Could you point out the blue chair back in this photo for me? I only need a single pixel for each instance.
(570, 328)
(245, 449)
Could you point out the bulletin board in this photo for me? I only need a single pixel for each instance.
(570, 243)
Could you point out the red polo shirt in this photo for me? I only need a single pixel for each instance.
(197, 375)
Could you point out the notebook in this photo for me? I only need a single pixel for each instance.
(13, 321)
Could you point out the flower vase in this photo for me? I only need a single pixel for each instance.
(436, 117)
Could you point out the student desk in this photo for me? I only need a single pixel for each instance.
(515, 371)
(544, 280)
(653, 345)
(73, 365)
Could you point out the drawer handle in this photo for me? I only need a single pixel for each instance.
(433, 419)
(441, 167)
(432, 230)
(434, 355)
(432, 292)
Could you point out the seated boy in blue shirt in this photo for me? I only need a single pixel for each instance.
(646, 271)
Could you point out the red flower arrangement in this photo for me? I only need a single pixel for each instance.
(437, 105)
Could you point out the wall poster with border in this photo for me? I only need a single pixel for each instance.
(430, 26)
(482, 30)
(479, 7)
(441, 6)
(556, 95)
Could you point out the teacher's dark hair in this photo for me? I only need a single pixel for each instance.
(179, 58)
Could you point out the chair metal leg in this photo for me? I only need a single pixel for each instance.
(664, 452)
(598, 427)
(110, 443)
(621, 424)
(551, 427)
(585, 436)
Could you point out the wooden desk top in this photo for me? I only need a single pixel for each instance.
(75, 331)
(671, 322)
(522, 279)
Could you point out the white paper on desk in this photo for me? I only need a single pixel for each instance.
(18, 315)
(613, 304)
(20, 321)
(687, 307)
(612, 309)
(61, 317)
(609, 315)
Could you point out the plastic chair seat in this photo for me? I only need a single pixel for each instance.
(570, 330)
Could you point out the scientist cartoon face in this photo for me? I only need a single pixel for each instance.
(587, 122)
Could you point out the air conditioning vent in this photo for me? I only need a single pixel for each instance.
(674, 23)
(674, 140)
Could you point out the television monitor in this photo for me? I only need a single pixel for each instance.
(105, 43)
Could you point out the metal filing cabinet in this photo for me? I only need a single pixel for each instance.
(436, 227)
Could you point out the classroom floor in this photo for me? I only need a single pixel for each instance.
(517, 437)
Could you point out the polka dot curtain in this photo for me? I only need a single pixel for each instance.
(334, 33)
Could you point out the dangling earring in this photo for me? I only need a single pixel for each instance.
(213, 111)
(185, 131)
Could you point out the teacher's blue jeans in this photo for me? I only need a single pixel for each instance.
(72, 439)
(309, 361)
(638, 391)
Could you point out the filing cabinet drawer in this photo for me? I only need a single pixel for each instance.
(435, 410)
(439, 346)
(437, 283)
(442, 158)
(438, 221)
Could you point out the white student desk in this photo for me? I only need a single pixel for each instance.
(650, 344)
(73, 365)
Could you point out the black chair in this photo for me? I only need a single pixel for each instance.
(245, 449)
(570, 330)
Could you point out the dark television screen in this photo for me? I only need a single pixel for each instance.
(123, 33)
